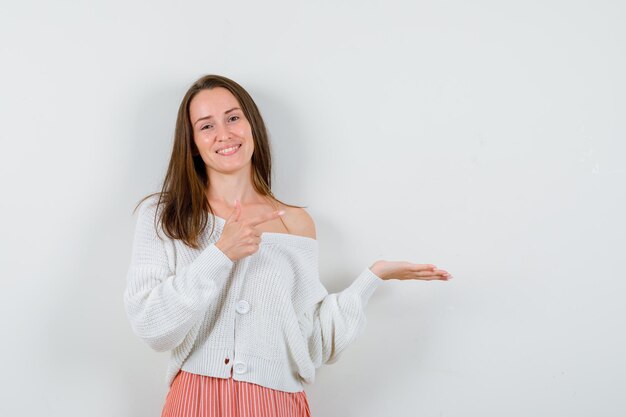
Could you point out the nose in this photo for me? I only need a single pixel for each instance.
(221, 132)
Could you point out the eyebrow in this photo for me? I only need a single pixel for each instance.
(209, 116)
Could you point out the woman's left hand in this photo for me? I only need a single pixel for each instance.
(407, 270)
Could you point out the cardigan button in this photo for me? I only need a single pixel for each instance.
(243, 307)
(226, 360)
(240, 367)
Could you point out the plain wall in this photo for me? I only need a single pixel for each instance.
(486, 137)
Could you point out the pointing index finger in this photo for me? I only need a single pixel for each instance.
(266, 217)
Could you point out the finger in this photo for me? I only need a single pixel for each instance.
(234, 215)
(444, 275)
(254, 240)
(427, 273)
(254, 221)
(435, 278)
(424, 267)
(256, 233)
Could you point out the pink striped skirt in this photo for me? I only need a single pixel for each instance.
(193, 395)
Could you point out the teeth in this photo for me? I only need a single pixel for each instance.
(227, 149)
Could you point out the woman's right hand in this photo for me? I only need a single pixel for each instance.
(240, 238)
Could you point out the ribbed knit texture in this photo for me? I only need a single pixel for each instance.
(266, 316)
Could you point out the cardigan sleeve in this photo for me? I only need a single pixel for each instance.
(163, 305)
(336, 320)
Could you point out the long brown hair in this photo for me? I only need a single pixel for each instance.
(186, 181)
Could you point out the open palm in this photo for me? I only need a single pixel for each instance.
(406, 270)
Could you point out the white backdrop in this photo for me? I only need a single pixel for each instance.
(485, 137)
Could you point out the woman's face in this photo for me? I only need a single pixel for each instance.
(218, 122)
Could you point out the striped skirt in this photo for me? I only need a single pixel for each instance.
(193, 395)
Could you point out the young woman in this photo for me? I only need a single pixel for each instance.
(241, 307)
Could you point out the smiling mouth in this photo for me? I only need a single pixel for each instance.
(228, 151)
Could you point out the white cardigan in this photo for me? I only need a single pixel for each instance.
(266, 316)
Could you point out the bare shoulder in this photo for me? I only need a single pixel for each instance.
(299, 222)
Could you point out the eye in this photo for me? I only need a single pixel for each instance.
(202, 128)
(234, 117)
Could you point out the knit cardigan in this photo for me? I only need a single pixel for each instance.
(265, 318)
